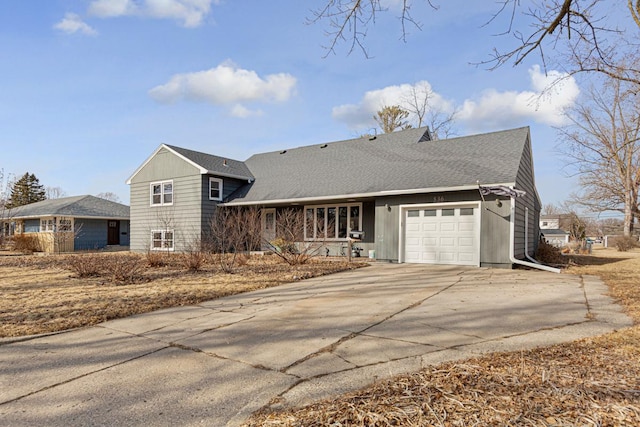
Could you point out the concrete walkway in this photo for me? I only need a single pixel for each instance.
(215, 363)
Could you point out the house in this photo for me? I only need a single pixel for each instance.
(555, 237)
(71, 223)
(411, 198)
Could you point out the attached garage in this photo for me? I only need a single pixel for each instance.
(441, 234)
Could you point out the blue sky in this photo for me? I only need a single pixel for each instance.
(89, 89)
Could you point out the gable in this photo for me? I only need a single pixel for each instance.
(163, 164)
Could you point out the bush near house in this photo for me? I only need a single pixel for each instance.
(626, 243)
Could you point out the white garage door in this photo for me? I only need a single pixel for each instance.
(442, 235)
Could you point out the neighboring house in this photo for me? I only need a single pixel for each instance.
(72, 223)
(555, 236)
(549, 222)
(415, 200)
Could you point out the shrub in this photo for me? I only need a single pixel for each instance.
(27, 243)
(157, 258)
(193, 260)
(85, 265)
(549, 254)
(124, 269)
(626, 243)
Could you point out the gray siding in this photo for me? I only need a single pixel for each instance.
(525, 181)
(495, 232)
(229, 185)
(184, 216)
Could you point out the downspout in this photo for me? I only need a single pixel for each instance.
(512, 238)
(526, 236)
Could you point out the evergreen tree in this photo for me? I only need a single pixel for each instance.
(26, 190)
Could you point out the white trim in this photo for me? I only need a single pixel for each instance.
(162, 193)
(365, 195)
(331, 205)
(163, 239)
(220, 188)
(404, 208)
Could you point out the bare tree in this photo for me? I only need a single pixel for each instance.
(419, 103)
(232, 231)
(289, 243)
(108, 195)
(391, 118)
(578, 32)
(603, 145)
(55, 192)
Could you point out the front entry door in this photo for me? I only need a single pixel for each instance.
(268, 226)
(113, 233)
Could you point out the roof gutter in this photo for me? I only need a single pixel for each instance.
(362, 195)
(512, 239)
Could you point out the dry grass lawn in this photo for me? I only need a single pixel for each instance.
(42, 294)
(591, 382)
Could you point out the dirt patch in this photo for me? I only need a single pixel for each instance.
(41, 293)
(591, 382)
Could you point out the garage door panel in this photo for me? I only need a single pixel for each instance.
(413, 227)
(429, 227)
(465, 257)
(429, 257)
(465, 242)
(447, 241)
(466, 226)
(429, 242)
(448, 226)
(413, 241)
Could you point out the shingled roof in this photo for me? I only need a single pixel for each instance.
(386, 164)
(77, 207)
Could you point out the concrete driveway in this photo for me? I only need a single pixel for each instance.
(217, 362)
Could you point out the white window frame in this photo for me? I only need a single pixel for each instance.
(163, 240)
(326, 210)
(162, 193)
(219, 181)
(47, 225)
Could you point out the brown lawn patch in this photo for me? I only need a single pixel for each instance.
(590, 382)
(41, 294)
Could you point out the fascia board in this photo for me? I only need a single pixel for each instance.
(366, 195)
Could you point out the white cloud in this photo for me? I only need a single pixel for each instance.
(190, 12)
(226, 85)
(72, 23)
(360, 116)
(551, 95)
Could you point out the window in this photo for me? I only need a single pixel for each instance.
(215, 189)
(448, 212)
(46, 225)
(466, 211)
(161, 193)
(332, 222)
(413, 213)
(430, 212)
(162, 240)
